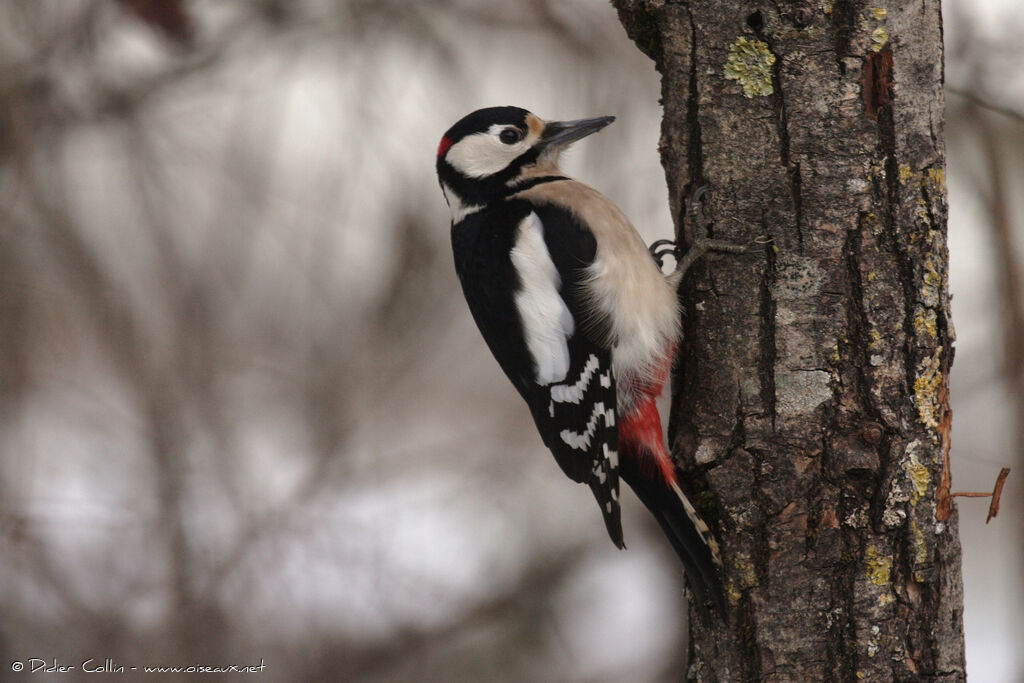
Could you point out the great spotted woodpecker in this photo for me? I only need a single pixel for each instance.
(577, 313)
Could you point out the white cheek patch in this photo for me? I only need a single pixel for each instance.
(483, 154)
(547, 322)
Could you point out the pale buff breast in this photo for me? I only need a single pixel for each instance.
(623, 284)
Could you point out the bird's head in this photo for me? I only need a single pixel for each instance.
(489, 151)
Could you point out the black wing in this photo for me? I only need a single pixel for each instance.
(573, 398)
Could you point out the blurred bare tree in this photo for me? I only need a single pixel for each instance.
(226, 313)
(244, 413)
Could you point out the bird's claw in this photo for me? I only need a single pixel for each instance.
(661, 248)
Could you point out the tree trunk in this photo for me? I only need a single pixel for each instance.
(810, 409)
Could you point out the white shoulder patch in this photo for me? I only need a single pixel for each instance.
(547, 322)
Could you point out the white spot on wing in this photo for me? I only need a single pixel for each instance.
(565, 393)
(611, 455)
(582, 441)
(547, 322)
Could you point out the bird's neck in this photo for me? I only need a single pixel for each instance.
(542, 168)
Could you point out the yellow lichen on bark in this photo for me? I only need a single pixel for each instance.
(879, 566)
(750, 64)
(926, 389)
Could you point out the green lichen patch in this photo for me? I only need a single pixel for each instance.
(935, 179)
(931, 179)
(745, 575)
(879, 566)
(879, 37)
(922, 211)
(920, 548)
(926, 389)
(834, 356)
(750, 64)
(925, 324)
(878, 13)
(919, 478)
(872, 223)
(932, 286)
(876, 339)
(741, 578)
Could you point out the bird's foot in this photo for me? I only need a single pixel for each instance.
(700, 244)
(698, 225)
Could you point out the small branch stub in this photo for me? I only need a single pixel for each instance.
(997, 492)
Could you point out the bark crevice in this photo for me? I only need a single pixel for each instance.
(792, 167)
(695, 154)
(769, 351)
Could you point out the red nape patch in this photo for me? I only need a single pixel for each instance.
(443, 147)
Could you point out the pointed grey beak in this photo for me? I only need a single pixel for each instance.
(561, 133)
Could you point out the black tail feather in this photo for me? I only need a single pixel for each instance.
(699, 561)
(610, 511)
(703, 575)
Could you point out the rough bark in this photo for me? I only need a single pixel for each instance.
(810, 409)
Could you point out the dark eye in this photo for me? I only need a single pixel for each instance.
(510, 136)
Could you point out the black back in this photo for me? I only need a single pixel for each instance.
(482, 243)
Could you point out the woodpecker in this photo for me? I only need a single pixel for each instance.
(577, 313)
